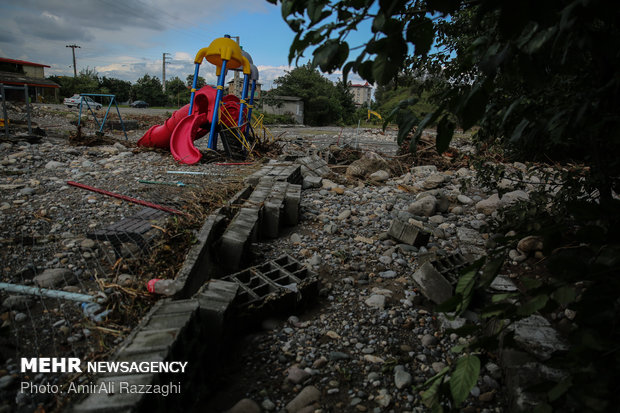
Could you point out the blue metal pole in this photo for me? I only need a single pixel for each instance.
(244, 95)
(216, 108)
(194, 83)
(251, 104)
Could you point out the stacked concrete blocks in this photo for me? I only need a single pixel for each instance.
(163, 335)
(281, 171)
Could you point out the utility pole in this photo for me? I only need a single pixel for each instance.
(73, 46)
(236, 72)
(163, 68)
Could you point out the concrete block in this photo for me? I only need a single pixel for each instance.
(408, 233)
(432, 284)
(292, 202)
(177, 306)
(312, 181)
(237, 237)
(274, 204)
(153, 340)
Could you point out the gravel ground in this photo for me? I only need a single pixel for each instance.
(369, 339)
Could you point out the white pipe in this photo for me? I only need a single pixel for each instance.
(44, 292)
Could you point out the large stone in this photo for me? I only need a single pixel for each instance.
(424, 207)
(17, 302)
(514, 196)
(296, 375)
(307, 396)
(380, 175)
(489, 205)
(424, 170)
(376, 300)
(401, 377)
(245, 406)
(434, 181)
(470, 241)
(433, 285)
(530, 244)
(54, 277)
(54, 165)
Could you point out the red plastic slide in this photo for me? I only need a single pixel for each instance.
(159, 135)
(183, 136)
(180, 131)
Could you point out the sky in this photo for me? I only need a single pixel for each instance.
(125, 39)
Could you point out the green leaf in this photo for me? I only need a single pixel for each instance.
(383, 70)
(405, 125)
(430, 397)
(533, 305)
(464, 378)
(496, 298)
(421, 33)
(378, 22)
(445, 132)
(450, 304)
(564, 295)
(490, 270)
(531, 283)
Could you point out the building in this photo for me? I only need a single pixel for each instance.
(362, 94)
(286, 105)
(22, 73)
(235, 87)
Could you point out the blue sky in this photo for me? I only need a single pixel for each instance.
(126, 39)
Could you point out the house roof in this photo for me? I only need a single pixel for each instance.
(10, 78)
(21, 62)
(364, 85)
(290, 98)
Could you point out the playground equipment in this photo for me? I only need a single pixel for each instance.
(208, 109)
(83, 101)
(223, 53)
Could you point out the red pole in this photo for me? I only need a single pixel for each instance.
(127, 198)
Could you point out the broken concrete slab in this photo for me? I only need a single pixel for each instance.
(408, 233)
(432, 284)
(536, 336)
(313, 166)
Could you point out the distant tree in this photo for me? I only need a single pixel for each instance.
(120, 88)
(345, 97)
(200, 83)
(323, 101)
(177, 91)
(149, 89)
(86, 82)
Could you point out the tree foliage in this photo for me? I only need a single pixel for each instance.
(540, 75)
(324, 102)
(149, 89)
(543, 80)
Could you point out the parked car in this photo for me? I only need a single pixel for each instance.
(139, 104)
(74, 102)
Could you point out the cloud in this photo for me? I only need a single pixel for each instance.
(125, 39)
